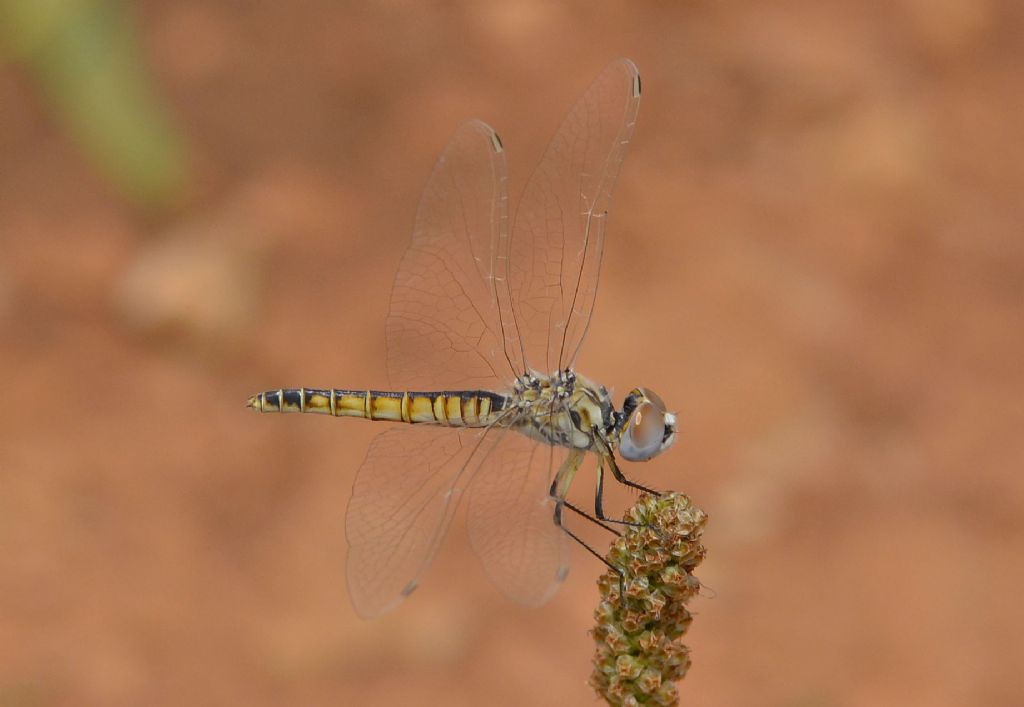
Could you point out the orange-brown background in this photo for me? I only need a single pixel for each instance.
(815, 255)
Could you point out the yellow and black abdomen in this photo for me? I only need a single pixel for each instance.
(455, 408)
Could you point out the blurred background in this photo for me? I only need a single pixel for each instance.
(815, 256)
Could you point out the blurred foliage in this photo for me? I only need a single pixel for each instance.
(85, 57)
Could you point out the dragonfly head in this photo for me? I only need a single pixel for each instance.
(648, 429)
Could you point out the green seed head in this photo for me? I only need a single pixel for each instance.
(639, 655)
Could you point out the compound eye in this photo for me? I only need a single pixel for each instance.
(654, 398)
(644, 433)
(648, 425)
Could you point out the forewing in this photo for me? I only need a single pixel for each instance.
(511, 519)
(557, 237)
(405, 494)
(443, 329)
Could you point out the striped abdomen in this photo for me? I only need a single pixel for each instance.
(456, 408)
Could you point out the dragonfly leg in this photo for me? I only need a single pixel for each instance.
(604, 453)
(607, 456)
(621, 478)
(558, 491)
(559, 503)
(580, 512)
(599, 500)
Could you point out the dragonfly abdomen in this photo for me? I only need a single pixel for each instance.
(455, 408)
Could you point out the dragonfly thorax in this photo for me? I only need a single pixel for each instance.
(563, 409)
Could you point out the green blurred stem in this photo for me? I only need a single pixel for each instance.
(86, 58)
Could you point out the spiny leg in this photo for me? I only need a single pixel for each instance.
(559, 490)
(599, 495)
(599, 500)
(618, 571)
(580, 512)
(605, 453)
(597, 521)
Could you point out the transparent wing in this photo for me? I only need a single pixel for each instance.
(443, 329)
(511, 519)
(558, 233)
(405, 494)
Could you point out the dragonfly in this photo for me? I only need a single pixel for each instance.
(487, 317)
